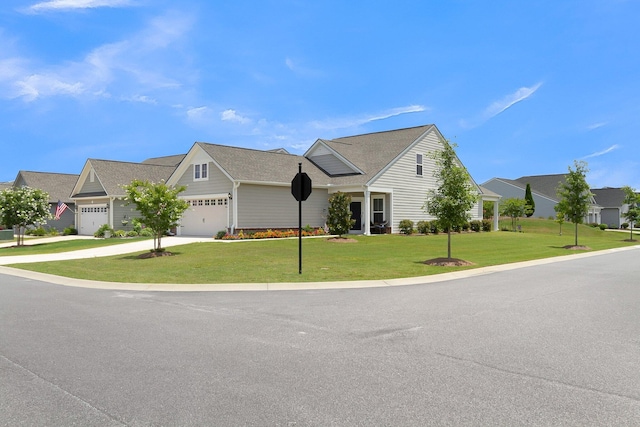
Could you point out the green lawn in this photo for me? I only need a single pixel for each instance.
(374, 257)
(32, 247)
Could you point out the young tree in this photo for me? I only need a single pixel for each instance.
(23, 206)
(575, 196)
(159, 206)
(530, 204)
(632, 199)
(514, 208)
(451, 202)
(559, 216)
(339, 220)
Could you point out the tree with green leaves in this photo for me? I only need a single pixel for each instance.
(559, 216)
(22, 207)
(454, 197)
(632, 200)
(159, 206)
(513, 208)
(575, 195)
(530, 204)
(339, 220)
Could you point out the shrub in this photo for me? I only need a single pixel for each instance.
(475, 225)
(220, 234)
(53, 232)
(486, 225)
(465, 226)
(146, 232)
(406, 226)
(594, 224)
(36, 232)
(624, 225)
(423, 227)
(603, 226)
(103, 228)
(119, 233)
(434, 227)
(70, 231)
(131, 233)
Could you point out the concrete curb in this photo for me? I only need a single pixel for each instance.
(162, 287)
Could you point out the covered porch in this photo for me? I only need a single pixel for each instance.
(370, 208)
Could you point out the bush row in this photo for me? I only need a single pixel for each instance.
(434, 227)
(269, 234)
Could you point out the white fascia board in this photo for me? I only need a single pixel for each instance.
(279, 184)
(186, 162)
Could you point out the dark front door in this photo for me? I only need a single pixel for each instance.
(356, 213)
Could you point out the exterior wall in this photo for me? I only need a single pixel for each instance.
(123, 212)
(611, 217)
(218, 183)
(68, 217)
(262, 206)
(91, 187)
(410, 189)
(544, 206)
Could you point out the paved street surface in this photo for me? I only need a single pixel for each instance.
(554, 344)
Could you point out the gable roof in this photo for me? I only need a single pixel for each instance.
(248, 165)
(114, 174)
(58, 185)
(609, 197)
(173, 160)
(371, 153)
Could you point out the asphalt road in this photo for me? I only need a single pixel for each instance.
(556, 344)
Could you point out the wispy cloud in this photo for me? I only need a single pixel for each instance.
(595, 126)
(603, 152)
(347, 122)
(498, 107)
(144, 61)
(300, 70)
(232, 116)
(60, 5)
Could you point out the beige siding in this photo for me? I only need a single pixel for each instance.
(409, 189)
(217, 183)
(261, 206)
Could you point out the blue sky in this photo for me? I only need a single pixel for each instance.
(523, 88)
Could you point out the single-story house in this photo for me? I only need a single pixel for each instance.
(99, 196)
(58, 186)
(544, 191)
(387, 174)
(611, 201)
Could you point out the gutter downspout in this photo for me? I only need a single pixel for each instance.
(234, 196)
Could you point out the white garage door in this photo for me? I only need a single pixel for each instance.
(205, 217)
(92, 217)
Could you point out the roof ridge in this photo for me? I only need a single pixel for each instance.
(381, 131)
(249, 149)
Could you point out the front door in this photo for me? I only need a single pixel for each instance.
(356, 213)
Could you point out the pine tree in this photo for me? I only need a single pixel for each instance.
(530, 204)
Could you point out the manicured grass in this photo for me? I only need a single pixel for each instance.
(34, 248)
(374, 257)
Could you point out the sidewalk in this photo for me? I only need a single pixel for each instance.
(138, 246)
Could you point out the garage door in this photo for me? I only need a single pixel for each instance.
(92, 217)
(205, 217)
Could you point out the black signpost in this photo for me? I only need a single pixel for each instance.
(300, 189)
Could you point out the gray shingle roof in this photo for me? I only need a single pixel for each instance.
(372, 152)
(609, 197)
(165, 160)
(58, 185)
(244, 164)
(546, 185)
(113, 174)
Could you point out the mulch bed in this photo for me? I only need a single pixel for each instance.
(577, 248)
(341, 240)
(448, 262)
(154, 254)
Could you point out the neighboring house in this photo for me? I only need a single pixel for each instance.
(98, 192)
(544, 191)
(387, 174)
(58, 186)
(612, 203)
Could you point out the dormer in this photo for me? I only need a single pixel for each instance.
(332, 163)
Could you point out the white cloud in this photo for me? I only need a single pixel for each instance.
(142, 98)
(603, 152)
(143, 62)
(197, 114)
(347, 122)
(233, 116)
(596, 125)
(75, 4)
(500, 106)
(508, 101)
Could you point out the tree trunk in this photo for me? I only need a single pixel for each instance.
(449, 242)
(576, 234)
(159, 237)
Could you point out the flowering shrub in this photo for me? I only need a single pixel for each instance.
(272, 234)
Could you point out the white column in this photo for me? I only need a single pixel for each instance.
(496, 215)
(367, 212)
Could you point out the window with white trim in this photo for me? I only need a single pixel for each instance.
(419, 164)
(378, 210)
(200, 172)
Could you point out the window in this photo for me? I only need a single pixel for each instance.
(378, 210)
(419, 164)
(200, 172)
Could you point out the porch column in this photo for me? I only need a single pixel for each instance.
(496, 215)
(367, 212)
